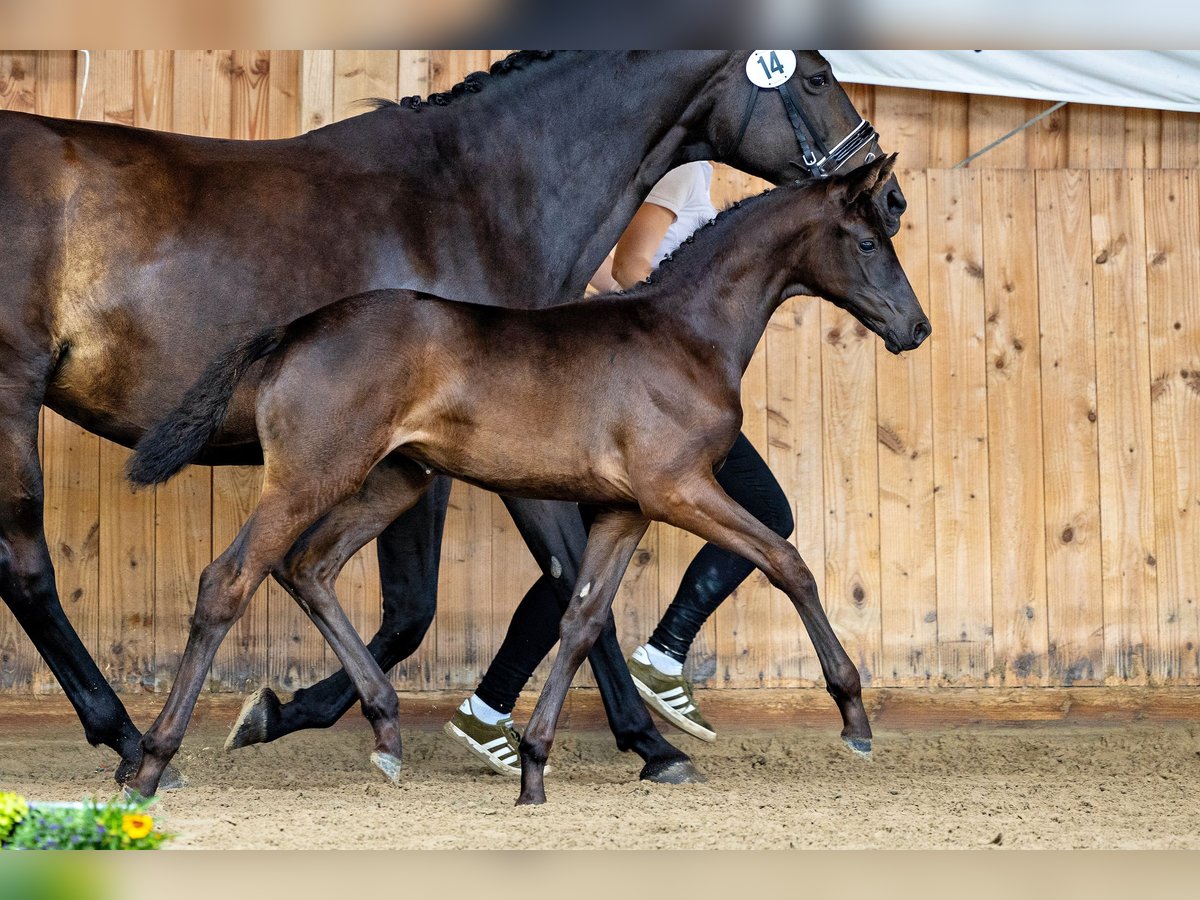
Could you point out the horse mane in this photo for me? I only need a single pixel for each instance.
(472, 84)
(670, 262)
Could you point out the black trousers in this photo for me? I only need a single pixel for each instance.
(710, 578)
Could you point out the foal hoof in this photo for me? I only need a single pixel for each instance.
(260, 709)
(677, 771)
(531, 798)
(860, 747)
(388, 764)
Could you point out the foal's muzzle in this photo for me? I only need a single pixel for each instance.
(896, 341)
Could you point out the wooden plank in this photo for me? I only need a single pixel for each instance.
(960, 461)
(360, 75)
(1014, 401)
(989, 118)
(948, 145)
(242, 662)
(1179, 140)
(1072, 497)
(1173, 288)
(125, 649)
(743, 622)
(201, 92)
(849, 435)
(297, 655)
(908, 573)
(70, 456)
(790, 433)
(19, 661)
(902, 118)
(1143, 139)
(1046, 141)
(1097, 136)
(726, 653)
(181, 549)
(1128, 544)
(316, 89)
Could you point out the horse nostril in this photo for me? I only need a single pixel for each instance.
(921, 331)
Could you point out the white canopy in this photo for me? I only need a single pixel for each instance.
(1152, 79)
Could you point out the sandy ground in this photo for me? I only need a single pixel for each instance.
(1049, 786)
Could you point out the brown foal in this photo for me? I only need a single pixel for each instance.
(628, 402)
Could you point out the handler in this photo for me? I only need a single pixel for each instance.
(678, 205)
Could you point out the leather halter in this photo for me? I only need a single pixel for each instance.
(829, 161)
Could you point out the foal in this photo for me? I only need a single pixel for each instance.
(627, 402)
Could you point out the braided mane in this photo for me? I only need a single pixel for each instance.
(472, 84)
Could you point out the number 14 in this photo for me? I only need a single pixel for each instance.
(776, 65)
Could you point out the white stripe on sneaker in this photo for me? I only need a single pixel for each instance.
(671, 693)
(492, 744)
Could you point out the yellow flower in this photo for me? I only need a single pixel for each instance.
(136, 827)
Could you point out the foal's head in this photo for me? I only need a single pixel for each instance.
(847, 257)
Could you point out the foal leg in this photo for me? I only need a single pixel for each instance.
(310, 572)
(699, 505)
(281, 516)
(613, 538)
(555, 534)
(409, 551)
(28, 588)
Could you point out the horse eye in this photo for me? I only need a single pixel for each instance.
(866, 246)
(818, 80)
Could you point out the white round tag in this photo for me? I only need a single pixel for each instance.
(770, 68)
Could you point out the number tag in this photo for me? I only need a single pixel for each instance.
(770, 68)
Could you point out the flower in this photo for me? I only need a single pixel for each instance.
(136, 827)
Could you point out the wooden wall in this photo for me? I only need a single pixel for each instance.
(1016, 503)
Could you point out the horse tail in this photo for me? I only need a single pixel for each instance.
(178, 439)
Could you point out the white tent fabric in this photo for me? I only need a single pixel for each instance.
(1150, 79)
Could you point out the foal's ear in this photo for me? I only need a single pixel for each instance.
(865, 181)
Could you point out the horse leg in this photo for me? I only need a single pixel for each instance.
(555, 534)
(28, 588)
(613, 538)
(699, 505)
(409, 551)
(283, 512)
(310, 571)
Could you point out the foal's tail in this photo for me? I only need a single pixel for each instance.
(178, 439)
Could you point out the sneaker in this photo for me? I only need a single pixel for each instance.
(671, 697)
(496, 745)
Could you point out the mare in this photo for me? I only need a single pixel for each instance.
(361, 403)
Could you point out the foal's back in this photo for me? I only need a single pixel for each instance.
(547, 403)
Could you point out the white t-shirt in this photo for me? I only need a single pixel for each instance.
(685, 192)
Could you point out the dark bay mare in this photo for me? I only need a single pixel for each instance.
(641, 404)
(132, 258)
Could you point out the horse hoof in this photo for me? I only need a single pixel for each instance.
(388, 764)
(259, 710)
(172, 780)
(860, 747)
(531, 798)
(677, 771)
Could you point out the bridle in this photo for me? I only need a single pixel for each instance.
(829, 161)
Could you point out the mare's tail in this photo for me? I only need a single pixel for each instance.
(178, 439)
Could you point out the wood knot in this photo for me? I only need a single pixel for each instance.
(1102, 257)
(860, 596)
(1091, 415)
(974, 269)
(1068, 535)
